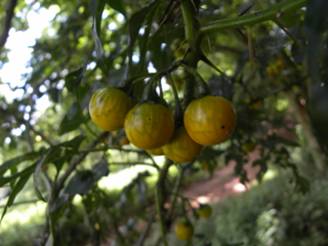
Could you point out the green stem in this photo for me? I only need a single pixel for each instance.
(188, 14)
(159, 192)
(175, 192)
(178, 108)
(194, 38)
(265, 15)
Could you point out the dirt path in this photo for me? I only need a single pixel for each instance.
(222, 184)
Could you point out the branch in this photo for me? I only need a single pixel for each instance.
(146, 232)
(10, 9)
(136, 163)
(160, 198)
(268, 14)
(176, 192)
(75, 162)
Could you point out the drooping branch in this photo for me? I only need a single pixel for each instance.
(250, 19)
(10, 10)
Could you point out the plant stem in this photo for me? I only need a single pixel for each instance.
(159, 196)
(192, 36)
(175, 192)
(265, 15)
(191, 25)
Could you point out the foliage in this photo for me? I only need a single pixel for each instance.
(272, 214)
(267, 58)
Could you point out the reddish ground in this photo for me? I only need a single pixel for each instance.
(223, 183)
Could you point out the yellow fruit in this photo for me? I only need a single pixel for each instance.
(204, 211)
(181, 148)
(210, 120)
(248, 147)
(108, 108)
(156, 151)
(183, 230)
(149, 125)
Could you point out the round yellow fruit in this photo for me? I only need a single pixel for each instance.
(149, 125)
(183, 230)
(210, 120)
(181, 148)
(156, 151)
(108, 108)
(204, 211)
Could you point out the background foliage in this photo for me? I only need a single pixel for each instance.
(267, 57)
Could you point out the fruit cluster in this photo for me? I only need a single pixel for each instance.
(151, 126)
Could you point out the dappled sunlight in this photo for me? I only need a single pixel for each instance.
(120, 179)
(239, 187)
(26, 214)
(203, 199)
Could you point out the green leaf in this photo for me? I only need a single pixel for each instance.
(83, 181)
(117, 5)
(135, 23)
(72, 120)
(74, 143)
(12, 178)
(144, 40)
(16, 189)
(39, 179)
(73, 79)
(17, 160)
(97, 7)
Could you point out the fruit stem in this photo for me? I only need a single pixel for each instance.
(190, 22)
(178, 108)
